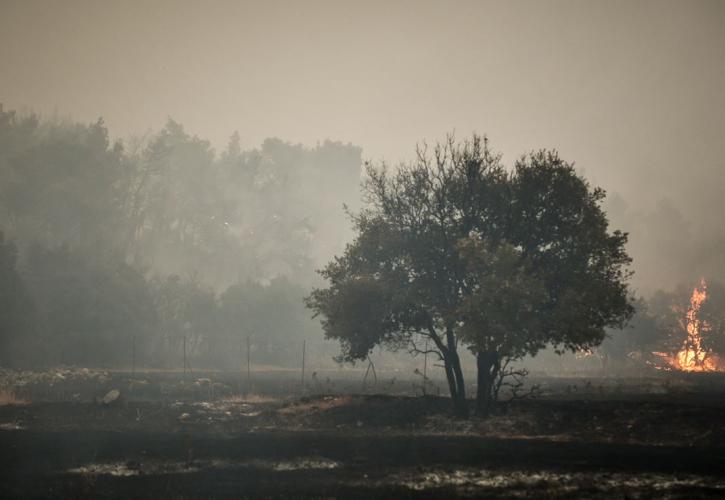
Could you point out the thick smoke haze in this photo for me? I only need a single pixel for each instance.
(362, 248)
(631, 91)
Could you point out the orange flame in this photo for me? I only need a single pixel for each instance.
(693, 357)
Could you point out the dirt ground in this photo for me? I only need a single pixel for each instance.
(580, 439)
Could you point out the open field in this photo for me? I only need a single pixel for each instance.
(607, 438)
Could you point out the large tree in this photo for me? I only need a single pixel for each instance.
(454, 248)
(59, 182)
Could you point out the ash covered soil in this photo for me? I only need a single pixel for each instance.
(580, 439)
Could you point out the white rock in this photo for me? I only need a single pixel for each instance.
(111, 397)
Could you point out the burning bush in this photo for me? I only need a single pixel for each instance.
(692, 322)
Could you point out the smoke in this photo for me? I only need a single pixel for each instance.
(670, 246)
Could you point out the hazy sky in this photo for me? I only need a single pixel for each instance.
(633, 91)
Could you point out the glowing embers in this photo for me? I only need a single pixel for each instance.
(692, 356)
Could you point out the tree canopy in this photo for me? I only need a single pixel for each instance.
(455, 248)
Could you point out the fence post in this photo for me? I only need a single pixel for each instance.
(241, 367)
(249, 371)
(303, 365)
(133, 356)
(425, 367)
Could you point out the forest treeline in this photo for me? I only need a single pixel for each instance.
(158, 238)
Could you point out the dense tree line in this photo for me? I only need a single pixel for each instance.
(105, 240)
(160, 239)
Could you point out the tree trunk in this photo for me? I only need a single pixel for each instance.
(452, 365)
(489, 364)
(459, 400)
(450, 377)
(452, 358)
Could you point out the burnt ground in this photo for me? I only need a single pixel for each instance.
(570, 443)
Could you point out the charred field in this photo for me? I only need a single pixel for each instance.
(660, 436)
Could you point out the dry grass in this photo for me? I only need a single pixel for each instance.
(322, 404)
(8, 397)
(251, 399)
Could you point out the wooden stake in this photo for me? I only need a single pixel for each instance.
(425, 367)
(249, 370)
(241, 368)
(303, 364)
